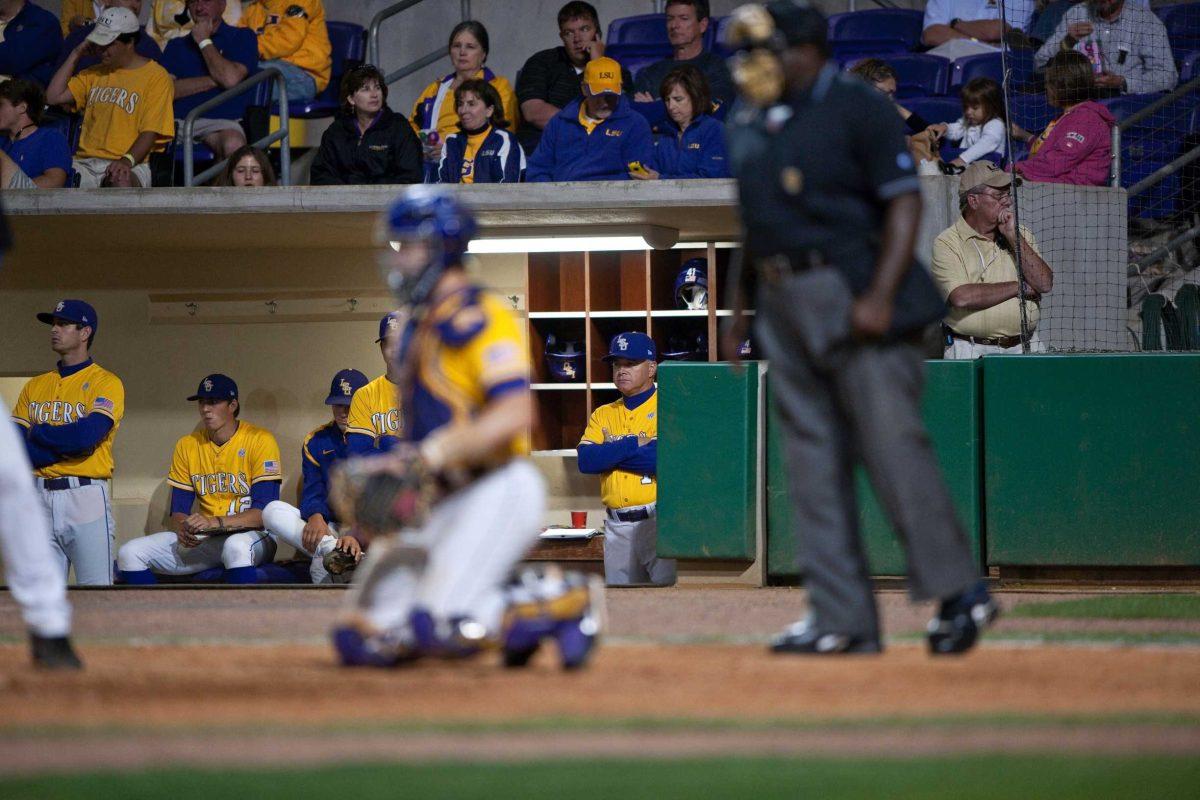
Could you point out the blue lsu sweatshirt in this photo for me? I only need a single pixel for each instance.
(698, 153)
(500, 158)
(567, 152)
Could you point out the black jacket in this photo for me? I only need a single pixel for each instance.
(389, 152)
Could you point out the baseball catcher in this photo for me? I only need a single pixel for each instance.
(451, 510)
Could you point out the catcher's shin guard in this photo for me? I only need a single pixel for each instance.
(550, 604)
(461, 637)
(357, 647)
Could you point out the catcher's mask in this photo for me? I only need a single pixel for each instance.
(426, 231)
(758, 35)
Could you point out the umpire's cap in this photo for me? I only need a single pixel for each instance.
(76, 311)
(343, 386)
(799, 22)
(216, 387)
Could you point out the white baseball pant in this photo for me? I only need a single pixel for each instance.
(282, 520)
(457, 563)
(162, 553)
(630, 552)
(35, 577)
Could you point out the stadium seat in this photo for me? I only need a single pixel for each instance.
(935, 109)
(1031, 111)
(919, 75)
(714, 34)
(1189, 66)
(644, 29)
(897, 27)
(984, 65)
(349, 45)
(1183, 26)
(655, 111)
(635, 56)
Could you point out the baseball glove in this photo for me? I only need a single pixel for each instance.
(340, 565)
(384, 494)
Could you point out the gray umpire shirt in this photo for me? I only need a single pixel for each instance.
(1134, 46)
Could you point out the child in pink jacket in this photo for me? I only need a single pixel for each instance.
(1077, 146)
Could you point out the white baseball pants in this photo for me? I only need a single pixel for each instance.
(162, 553)
(283, 522)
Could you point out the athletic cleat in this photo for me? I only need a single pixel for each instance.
(358, 649)
(53, 652)
(960, 620)
(550, 604)
(803, 639)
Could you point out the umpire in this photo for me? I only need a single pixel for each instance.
(831, 206)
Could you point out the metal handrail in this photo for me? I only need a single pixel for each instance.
(282, 135)
(408, 69)
(1162, 102)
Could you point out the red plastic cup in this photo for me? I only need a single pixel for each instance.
(578, 519)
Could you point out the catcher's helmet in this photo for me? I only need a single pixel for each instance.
(686, 348)
(564, 360)
(691, 284)
(423, 215)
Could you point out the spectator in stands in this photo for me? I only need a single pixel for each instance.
(598, 137)
(77, 13)
(367, 143)
(170, 19)
(882, 76)
(125, 100)
(248, 167)
(30, 40)
(550, 79)
(970, 20)
(974, 266)
(30, 157)
(980, 130)
(292, 37)
(433, 117)
(483, 150)
(691, 144)
(213, 57)
(1077, 146)
(1126, 44)
(687, 22)
(145, 47)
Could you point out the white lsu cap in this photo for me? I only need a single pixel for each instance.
(113, 23)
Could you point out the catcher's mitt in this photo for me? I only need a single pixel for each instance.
(340, 564)
(383, 494)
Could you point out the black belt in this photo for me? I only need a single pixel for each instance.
(781, 265)
(637, 515)
(58, 484)
(994, 341)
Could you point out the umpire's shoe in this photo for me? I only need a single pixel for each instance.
(960, 620)
(803, 638)
(53, 652)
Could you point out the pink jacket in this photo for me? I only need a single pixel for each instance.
(1078, 148)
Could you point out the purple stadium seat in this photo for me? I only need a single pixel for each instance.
(1183, 26)
(919, 75)
(1031, 111)
(349, 45)
(898, 26)
(935, 109)
(1189, 66)
(985, 65)
(643, 29)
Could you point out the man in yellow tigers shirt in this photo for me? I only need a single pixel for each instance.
(621, 443)
(292, 37)
(70, 417)
(126, 102)
(222, 476)
(376, 418)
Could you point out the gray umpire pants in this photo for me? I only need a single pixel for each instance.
(840, 403)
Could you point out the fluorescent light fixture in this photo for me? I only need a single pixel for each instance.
(556, 244)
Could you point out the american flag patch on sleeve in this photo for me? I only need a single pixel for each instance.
(270, 467)
(103, 404)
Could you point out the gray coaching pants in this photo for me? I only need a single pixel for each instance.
(630, 553)
(840, 403)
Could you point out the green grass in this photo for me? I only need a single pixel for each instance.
(979, 776)
(1134, 606)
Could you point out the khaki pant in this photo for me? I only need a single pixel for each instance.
(91, 172)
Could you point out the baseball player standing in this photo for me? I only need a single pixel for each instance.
(313, 527)
(621, 444)
(70, 417)
(437, 588)
(37, 581)
(375, 419)
(223, 474)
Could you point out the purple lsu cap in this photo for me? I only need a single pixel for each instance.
(633, 346)
(216, 387)
(76, 311)
(389, 322)
(343, 386)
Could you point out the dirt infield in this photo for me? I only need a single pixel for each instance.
(230, 676)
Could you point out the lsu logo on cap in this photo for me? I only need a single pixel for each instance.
(568, 369)
(208, 385)
(61, 305)
(393, 323)
(346, 388)
(622, 343)
(607, 75)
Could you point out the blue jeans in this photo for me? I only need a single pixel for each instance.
(300, 85)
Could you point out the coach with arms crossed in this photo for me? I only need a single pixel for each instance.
(621, 444)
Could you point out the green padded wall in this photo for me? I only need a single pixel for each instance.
(707, 461)
(951, 407)
(1091, 459)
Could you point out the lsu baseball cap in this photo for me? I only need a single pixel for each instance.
(633, 346)
(343, 386)
(985, 173)
(602, 76)
(113, 23)
(216, 387)
(390, 322)
(76, 311)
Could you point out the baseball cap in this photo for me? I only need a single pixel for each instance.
(799, 22)
(343, 386)
(76, 311)
(113, 23)
(985, 173)
(216, 387)
(603, 76)
(633, 346)
(390, 322)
